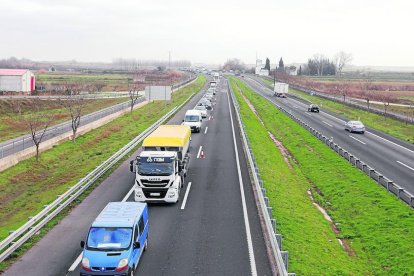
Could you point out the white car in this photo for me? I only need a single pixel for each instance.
(355, 126)
(203, 110)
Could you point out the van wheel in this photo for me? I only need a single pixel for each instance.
(131, 271)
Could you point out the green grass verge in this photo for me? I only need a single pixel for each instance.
(29, 185)
(11, 125)
(377, 226)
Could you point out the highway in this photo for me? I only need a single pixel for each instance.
(388, 155)
(213, 230)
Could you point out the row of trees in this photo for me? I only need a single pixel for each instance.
(320, 65)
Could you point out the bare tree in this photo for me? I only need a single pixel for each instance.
(74, 104)
(366, 90)
(99, 86)
(341, 60)
(386, 99)
(37, 120)
(342, 89)
(133, 91)
(320, 63)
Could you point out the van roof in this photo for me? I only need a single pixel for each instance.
(193, 112)
(168, 136)
(119, 214)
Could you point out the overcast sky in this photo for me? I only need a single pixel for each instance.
(376, 32)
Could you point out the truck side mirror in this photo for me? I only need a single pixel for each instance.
(131, 166)
(82, 244)
(137, 245)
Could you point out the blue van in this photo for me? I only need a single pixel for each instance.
(116, 240)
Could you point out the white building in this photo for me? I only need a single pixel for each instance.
(17, 80)
(259, 68)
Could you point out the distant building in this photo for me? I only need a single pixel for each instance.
(17, 80)
(291, 70)
(260, 70)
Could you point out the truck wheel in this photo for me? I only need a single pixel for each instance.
(146, 244)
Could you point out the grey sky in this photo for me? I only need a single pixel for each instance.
(376, 32)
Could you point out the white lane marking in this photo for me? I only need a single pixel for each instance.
(209, 118)
(76, 263)
(405, 165)
(79, 258)
(327, 124)
(245, 215)
(205, 131)
(395, 144)
(199, 151)
(186, 195)
(357, 140)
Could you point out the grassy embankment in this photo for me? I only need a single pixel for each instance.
(390, 126)
(377, 229)
(29, 185)
(11, 126)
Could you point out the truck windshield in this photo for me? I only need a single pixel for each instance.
(155, 168)
(109, 238)
(192, 118)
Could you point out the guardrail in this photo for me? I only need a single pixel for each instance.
(378, 177)
(20, 236)
(21, 143)
(265, 209)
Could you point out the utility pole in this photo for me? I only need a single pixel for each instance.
(274, 77)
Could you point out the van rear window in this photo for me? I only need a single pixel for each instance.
(109, 238)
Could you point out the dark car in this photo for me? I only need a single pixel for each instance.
(313, 108)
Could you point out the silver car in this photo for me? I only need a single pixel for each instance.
(203, 110)
(355, 126)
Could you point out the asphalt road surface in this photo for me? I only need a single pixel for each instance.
(207, 233)
(391, 157)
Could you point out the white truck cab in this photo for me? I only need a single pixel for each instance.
(193, 119)
(158, 177)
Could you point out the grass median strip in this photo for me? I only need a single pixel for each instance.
(376, 229)
(29, 185)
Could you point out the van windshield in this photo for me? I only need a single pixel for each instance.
(109, 238)
(192, 118)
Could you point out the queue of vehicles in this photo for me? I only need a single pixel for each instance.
(119, 235)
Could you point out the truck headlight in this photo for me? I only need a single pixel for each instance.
(172, 193)
(122, 265)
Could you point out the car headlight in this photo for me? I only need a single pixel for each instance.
(85, 264)
(122, 265)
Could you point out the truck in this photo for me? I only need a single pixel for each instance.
(162, 165)
(216, 76)
(213, 84)
(116, 240)
(281, 89)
